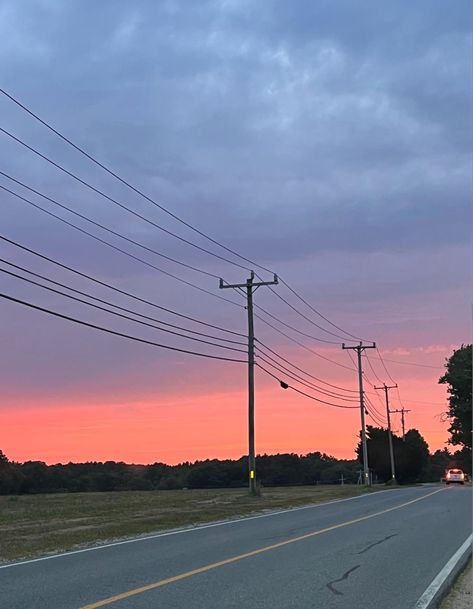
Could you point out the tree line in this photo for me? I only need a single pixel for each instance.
(414, 463)
(280, 469)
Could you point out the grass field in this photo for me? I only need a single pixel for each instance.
(33, 525)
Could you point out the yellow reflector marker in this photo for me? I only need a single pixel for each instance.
(252, 474)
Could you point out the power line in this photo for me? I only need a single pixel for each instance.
(307, 318)
(129, 185)
(384, 366)
(318, 312)
(374, 408)
(370, 382)
(311, 336)
(109, 230)
(304, 371)
(287, 386)
(379, 415)
(399, 397)
(352, 360)
(111, 304)
(294, 340)
(322, 340)
(118, 249)
(115, 201)
(171, 214)
(118, 290)
(296, 377)
(375, 418)
(427, 402)
(121, 315)
(114, 332)
(372, 369)
(394, 361)
(184, 240)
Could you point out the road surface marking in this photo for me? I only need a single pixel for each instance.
(170, 580)
(190, 529)
(438, 582)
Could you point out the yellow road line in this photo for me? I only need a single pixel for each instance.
(227, 561)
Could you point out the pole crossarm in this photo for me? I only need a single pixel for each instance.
(250, 286)
(224, 285)
(360, 346)
(359, 350)
(384, 388)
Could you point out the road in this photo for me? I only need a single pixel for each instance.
(376, 551)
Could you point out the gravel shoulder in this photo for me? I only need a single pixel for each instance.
(461, 595)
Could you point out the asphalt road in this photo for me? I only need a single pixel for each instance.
(378, 551)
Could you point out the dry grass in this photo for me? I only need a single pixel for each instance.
(32, 525)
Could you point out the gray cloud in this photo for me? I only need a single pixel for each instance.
(293, 132)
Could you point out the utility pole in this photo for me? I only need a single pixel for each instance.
(386, 389)
(359, 350)
(250, 287)
(402, 411)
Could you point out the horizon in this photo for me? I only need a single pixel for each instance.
(451, 449)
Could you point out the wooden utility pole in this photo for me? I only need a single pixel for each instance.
(250, 287)
(386, 389)
(402, 411)
(359, 350)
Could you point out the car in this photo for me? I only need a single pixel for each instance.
(455, 476)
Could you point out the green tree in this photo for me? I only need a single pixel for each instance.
(411, 456)
(378, 451)
(11, 478)
(458, 377)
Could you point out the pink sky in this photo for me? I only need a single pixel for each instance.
(181, 427)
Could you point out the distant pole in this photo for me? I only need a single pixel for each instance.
(250, 287)
(359, 350)
(402, 411)
(386, 389)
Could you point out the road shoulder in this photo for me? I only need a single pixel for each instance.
(461, 595)
(443, 582)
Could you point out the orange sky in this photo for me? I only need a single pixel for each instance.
(182, 427)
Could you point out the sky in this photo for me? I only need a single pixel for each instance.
(328, 142)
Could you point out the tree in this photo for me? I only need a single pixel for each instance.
(11, 478)
(411, 455)
(377, 444)
(458, 377)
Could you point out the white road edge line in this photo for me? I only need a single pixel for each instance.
(190, 529)
(436, 588)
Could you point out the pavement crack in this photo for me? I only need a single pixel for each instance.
(376, 543)
(340, 579)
